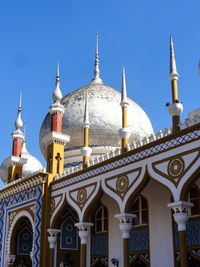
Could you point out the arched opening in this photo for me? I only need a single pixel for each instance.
(67, 248)
(99, 236)
(22, 242)
(139, 235)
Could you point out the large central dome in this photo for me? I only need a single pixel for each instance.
(105, 119)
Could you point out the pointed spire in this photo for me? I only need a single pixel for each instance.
(18, 122)
(97, 78)
(57, 94)
(86, 121)
(124, 101)
(173, 71)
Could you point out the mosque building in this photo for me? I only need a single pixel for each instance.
(112, 193)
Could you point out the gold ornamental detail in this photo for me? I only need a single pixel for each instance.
(176, 167)
(82, 197)
(122, 185)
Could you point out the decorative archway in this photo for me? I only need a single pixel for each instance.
(20, 238)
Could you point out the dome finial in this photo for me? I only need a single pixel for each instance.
(124, 101)
(18, 122)
(97, 78)
(57, 94)
(173, 70)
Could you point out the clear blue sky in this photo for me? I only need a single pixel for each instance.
(134, 33)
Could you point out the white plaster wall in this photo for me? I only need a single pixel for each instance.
(160, 225)
(115, 238)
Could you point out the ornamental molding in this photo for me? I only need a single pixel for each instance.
(136, 154)
(122, 183)
(21, 185)
(82, 197)
(175, 167)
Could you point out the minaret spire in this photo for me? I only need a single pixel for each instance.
(124, 91)
(124, 132)
(173, 70)
(175, 108)
(86, 150)
(57, 94)
(18, 122)
(86, 113)
(97, 78)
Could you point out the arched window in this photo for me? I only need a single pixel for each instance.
(194, 197)
(101, 220)
(69, 233)
(140, 209)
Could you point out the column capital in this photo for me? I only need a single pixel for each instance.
(83, 231)
(180, 206)
(52, 238)
(181, 215)
(125, 217)
(125, 223)
(10, 259)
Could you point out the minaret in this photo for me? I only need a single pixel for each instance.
(97, 78)
(16, 162)
(175, 108)
(55, 140)
(124, 132)
(86, 150)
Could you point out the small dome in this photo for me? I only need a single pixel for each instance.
(105, 119)
(32, 165)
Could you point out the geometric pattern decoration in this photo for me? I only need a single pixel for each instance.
(30, 196)
(69, 234)
(81, 195)
(169, 144)
(192, 234)
(174, 168)
(139, 239)
(37, 230)
(121, 184)
(99, 244)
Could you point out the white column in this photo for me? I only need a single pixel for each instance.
(181, 217)
(84, 232)
(52, 238)
(125, 226)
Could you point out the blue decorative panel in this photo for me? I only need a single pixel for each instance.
(99, 244)
(192, 234)
(139, 239)
(29, 196)
(69, 234)
(25, 241)
(37, 230)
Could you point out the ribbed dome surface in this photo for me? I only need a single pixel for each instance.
(105, 117)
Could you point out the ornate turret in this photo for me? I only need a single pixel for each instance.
(124, 132)
(175, 108)
(55, 140)
(97, 78)
(86, 150)
(18, 136)
(21, 163)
